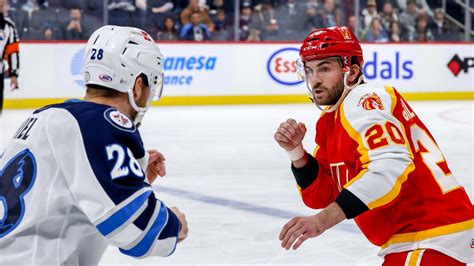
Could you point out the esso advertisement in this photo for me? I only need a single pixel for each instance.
(281, 66)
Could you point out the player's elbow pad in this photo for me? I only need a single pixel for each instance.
(161, 227)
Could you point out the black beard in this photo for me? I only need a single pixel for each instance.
(338, 89)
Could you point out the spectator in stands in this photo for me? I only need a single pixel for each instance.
(254, 35)
(245, 20)
(214, 5)
(126, 5)
(168, 31)
(440, 28)
(49, 33)
(94, 8)
(331, 14)
(141, 4)
(376, 32)
(195, 7)
(291, 21)
(313, 20)
(388, 15)
(159, 6)
(19, 17)
(158, 11)
(121, 12)
(76, 28)
(180, 5)
(264, 20)
(221, 26)
(395, 31)
(220, 22)
(408, 17)
(314, 3)
(369, 13)
(420, 4)
(29, 6)
(195, 30)
(422, 32)
(351, 23)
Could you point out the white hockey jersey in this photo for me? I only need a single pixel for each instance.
(71, 183)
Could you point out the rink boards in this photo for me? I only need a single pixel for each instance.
(246, 73)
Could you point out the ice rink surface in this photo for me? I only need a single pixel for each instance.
(234, 183)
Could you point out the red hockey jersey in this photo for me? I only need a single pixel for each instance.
(378, 149)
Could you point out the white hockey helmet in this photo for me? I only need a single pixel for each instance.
(115, 56)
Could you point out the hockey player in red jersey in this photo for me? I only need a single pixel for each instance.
(375, 161)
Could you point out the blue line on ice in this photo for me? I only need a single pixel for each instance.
(244, 206)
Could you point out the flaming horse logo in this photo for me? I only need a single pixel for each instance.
(371, 101)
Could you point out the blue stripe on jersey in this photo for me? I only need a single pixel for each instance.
(145, 244)
(123, 215)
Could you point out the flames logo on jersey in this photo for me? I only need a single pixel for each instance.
(371, 101)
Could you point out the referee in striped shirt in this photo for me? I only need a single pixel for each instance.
(9, 49)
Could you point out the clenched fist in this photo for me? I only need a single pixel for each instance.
(184, 224)
(290, 134)
(156, 165)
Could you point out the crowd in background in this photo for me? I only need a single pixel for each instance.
(260, 20)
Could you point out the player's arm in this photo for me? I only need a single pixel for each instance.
(103, 168)
(384, 160)
(12, 51)
(314, 182)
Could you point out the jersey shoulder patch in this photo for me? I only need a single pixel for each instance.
(368, 98)
(119, 120)
(371, 101)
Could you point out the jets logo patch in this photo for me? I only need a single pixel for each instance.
(119, 120)
(371, 101)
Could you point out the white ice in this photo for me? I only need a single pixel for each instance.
(233, 182)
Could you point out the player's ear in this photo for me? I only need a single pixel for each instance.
(138, 88)
(354, 73)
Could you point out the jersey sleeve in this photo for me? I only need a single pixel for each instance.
(12, 51)
(103, 165)
(385, 155)
(315, 184)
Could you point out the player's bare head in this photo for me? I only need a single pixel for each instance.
(126, 60)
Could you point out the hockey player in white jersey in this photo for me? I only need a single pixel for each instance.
(76, 177)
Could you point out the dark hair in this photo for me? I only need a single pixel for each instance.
(163, 26)
(109, 92)
(144, 79)
(195, 12)
(75, 6)
(94, 89)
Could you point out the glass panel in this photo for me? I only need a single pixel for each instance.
(258, 20)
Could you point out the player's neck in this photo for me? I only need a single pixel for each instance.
(121, 104)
